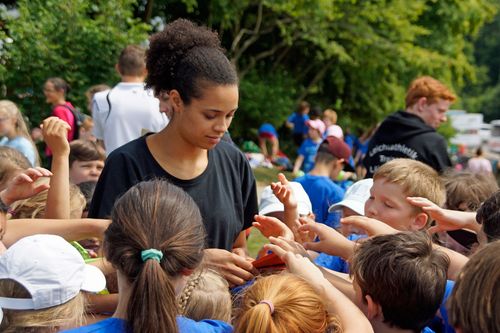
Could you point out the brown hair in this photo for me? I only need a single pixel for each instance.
(416, 178)
(489, 216)
(404, 275)
(469, 188)
(474, 304)
(429, 88)
(67, 315)
(206, 296)
(297, 307)
(303, 107)
(154, 215)
(84, 150)
(132, 61)
(59, 84)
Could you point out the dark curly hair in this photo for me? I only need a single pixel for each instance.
(184, 56)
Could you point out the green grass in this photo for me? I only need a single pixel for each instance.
(263, 176)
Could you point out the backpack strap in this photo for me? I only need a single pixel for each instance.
(109, 104)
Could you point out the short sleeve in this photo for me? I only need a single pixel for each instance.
(116, 178)
(98, 129)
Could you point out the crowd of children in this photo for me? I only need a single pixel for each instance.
(409, 250)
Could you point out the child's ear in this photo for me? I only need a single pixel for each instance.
(373, 309)
(419, 222)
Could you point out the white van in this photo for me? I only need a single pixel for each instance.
(494, 141)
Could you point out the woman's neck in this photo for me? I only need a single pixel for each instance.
(60, 101)
(177, 156)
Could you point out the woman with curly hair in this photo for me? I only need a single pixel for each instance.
(198, 86)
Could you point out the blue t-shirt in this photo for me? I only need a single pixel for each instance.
(268, 128)
(335, 263)
(299, 123)
(308, 149)
(186, 325)
(323, 193)
(22, 145)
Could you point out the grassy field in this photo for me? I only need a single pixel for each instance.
(264, 177)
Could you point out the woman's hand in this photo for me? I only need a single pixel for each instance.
(235, 268)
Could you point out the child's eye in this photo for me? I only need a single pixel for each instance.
(388, 205)
(209, 116)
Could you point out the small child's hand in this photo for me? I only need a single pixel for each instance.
(23, 185)
(280, 246)
(55, 135)
(284, 192)
(330, 240)
(445, 219)
(304, 268)
(271, 226)
(304, 236)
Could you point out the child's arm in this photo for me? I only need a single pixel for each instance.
(330, 241)
(22, 186)
(375, 227)
(446, 219)
(284, 192)
(70, 230)
(298, 164)
(350, 316)
(55, 132)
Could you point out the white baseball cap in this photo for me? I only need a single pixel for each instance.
(355, 197)
(50, 269)
(270, 203)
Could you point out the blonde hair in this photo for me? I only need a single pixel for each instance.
(11, 109)
(34, 207)
(206, 296)
(297, 307)
(330, 115)
(67, 315)
(416, 178)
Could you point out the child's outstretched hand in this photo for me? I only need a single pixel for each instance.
(271, 226)
(303, 267)
(372, 227)
(445, 219)
(55, 135)
(280, 246)
(23, 185)
(284, 192)
(330, 241)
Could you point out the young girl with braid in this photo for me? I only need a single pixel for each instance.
(155, 241)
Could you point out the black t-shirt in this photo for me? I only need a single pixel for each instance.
(225, 192)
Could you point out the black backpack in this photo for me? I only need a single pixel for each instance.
(79, 117)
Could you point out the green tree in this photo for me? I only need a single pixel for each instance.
(77, 40)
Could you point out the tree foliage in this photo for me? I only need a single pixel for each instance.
(77, 40)
(357, 56)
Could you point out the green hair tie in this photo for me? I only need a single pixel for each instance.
(151, 254)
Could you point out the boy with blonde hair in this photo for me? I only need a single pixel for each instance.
(396, 180)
